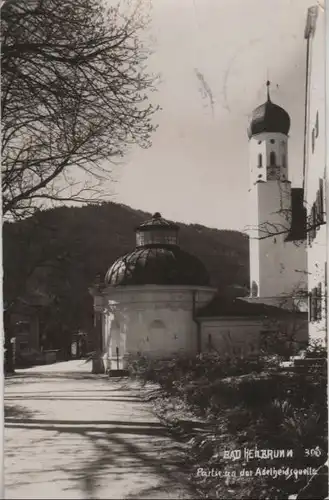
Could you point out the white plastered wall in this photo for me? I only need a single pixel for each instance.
(315, 165)
(152, 320)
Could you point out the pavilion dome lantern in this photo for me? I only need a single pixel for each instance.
(157, 259)
(156, 231)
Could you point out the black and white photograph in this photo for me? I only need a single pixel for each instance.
(165, 248)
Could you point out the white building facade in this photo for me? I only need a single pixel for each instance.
(157, 301)
(150, 320)
(315, 175)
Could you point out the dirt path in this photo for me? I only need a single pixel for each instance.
(71, 434)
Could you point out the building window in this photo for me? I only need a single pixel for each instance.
(260, 160)
(259, 142)
(317, 125)
(272, 158)
(170, 240)
(23, 346)
(209, 342)
(156, 238)
(312, 225)
(251, 348)
(273, 173)
(314, 220)
(272, 141)
(319, 295)
(22, 328)
(313, 140)
(315, 303)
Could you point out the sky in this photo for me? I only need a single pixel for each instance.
(214, 57)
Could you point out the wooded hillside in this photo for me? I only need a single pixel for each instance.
(59, 252)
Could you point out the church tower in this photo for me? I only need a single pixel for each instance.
(277, 250)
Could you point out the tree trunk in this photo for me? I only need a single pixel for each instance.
(9, 364)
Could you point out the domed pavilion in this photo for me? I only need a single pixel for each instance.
(150, 296)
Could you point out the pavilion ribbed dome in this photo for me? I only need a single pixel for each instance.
(157, 259)
(157, 266)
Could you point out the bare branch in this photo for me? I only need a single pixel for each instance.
(74, 95)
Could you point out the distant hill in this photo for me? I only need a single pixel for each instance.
(60, 251)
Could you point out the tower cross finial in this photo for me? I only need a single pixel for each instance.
(268, 83)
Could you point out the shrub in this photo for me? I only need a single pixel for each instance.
(317, 350)
(248, 402)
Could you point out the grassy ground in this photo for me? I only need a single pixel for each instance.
(224, 407)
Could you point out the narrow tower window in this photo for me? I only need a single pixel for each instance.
(260, 160)
(272, 158)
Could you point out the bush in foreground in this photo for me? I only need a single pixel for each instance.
(247, 404)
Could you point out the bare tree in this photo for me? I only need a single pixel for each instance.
(289, 220)
(74, 95)
(295, 218)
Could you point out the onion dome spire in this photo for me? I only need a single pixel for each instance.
(269, 117)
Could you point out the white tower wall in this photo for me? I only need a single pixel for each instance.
(277, 267)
